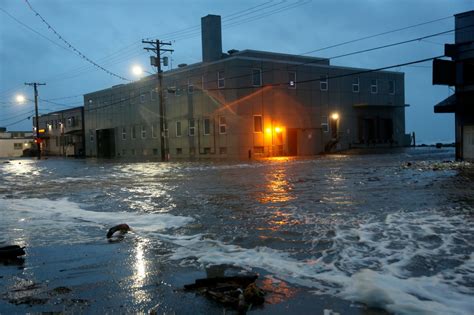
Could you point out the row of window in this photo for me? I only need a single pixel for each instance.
(179, 151)
(55, 124)
(256, 79)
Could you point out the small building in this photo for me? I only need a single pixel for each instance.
(247, 104)
(15, 143)
(459, 72)
(62, 132)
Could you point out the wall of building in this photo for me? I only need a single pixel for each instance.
(13, 143)
(62, 132)
(195, 99)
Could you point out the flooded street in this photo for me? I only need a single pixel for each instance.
(359, 234)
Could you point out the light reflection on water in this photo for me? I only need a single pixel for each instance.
(313, 211)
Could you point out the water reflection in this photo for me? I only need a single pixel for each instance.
(277, 290)
(140, 295)
(277, 188)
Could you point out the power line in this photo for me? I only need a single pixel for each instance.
(33, 30)
(375, 35)
(71, 46)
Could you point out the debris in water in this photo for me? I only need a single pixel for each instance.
(122, 228)
(239, 292)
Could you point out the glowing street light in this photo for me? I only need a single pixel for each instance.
(277, 129)
(335, 116)
(137, 70)
(20, 98)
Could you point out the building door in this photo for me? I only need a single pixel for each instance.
(106, 143)
(468, 143)
(292, 136)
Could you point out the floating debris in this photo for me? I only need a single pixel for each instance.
(238, 292)
(11, 252)
(122, 228)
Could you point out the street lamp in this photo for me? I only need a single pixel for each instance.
(137, 70)
(20, 98)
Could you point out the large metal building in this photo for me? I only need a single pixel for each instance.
(247, 104)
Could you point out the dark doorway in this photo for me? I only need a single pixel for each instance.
(105, 143)
(292, 135)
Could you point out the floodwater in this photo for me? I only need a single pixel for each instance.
(358, 234)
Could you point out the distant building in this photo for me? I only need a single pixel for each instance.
(62, 132)
(247, 104)
(459, 73)
(14, 143)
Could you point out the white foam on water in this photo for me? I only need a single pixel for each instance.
(411, 263)
(62, 214)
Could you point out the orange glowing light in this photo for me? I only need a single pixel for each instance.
(277, 129)
(268, 130)
(335, 116)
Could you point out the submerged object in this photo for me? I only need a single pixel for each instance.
(122, 228)
(11, 251)
(239, 292)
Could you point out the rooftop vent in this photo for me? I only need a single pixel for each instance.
(232, 51)
(182, 65)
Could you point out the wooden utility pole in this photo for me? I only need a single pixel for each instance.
(38, 141)
(156, 61)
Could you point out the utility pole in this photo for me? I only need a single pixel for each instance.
(156, 46)
(38, 141)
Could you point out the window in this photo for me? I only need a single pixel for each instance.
(258, 150)
(355, 85)
(154, 130)
(292, 80)
(207, 150)
(257, 123)
(207, 126)
(190, 87)
(192, 127)
(142, 98)
(323, 82)
(124, 133)
(222, 125)
(391, 87)
(17, 146)
(177, 91)
(220, 79)
(203, 82)
(373, 86)
(153, 95)
(143, 132)
(179, 151)
(178, 129)
(91, 135)
(155, 151)
(133, 132)
(256, 77)
(324, 123)
(71, 122)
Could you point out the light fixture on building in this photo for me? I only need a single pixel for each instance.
(277, 129)
(335, 116)
(268, 130)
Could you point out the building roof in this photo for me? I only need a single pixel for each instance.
(446, 106)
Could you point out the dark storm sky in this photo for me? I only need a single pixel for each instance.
(109, 32)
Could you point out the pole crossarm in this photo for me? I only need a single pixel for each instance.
(156, 47)
(38, 144)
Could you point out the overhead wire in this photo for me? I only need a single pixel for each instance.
(68, 44)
